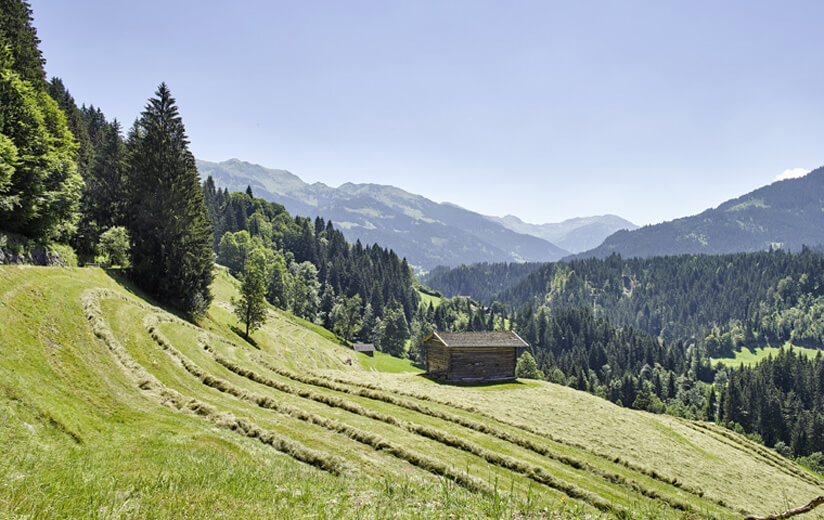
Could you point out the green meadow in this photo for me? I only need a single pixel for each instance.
(750, 356)
(115, 408)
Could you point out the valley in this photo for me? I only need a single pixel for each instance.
(182, 338)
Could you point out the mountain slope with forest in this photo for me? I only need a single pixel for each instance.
(426, 233)
(785, 214)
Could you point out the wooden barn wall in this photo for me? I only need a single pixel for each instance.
(437, 358)
(482, 363)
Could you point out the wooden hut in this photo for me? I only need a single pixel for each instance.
(472, 356)
(365, 348)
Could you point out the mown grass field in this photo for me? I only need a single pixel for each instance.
(114, 408)
(750, 356)
(428, 299)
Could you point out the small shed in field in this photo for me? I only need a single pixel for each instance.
(365, 348)
(472, 356)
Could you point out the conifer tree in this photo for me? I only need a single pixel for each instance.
(21, 38)
(167, 216)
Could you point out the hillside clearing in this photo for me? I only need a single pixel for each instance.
(220, 428)
(751, 356)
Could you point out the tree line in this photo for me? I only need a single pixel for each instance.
(68, 175)
(363, 293)
(482, 281)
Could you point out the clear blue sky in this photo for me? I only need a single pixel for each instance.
(548, 110)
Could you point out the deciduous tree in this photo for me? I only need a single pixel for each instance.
(250, 308)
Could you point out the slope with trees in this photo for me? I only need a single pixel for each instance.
(718, 302)
(310, 269)
(786, 214)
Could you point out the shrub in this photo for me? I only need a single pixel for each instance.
(528, 368)
(114, 245)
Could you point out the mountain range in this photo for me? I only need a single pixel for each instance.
(785, 214)
(575, 235)
(427, 233)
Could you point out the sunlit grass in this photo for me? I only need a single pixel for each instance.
(381, 362)
(218, 427)
(751, 356)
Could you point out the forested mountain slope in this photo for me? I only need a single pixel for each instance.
(217, 427)
(720, 302)
(786, 214)
(426, 233)
(482, 282)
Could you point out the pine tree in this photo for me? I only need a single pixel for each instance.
(168, 220)
(250, 308)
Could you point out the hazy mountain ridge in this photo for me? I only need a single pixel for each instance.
(575, 234)
(425, 232)
(785, 214)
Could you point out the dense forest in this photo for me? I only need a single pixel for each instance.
(482, 281)
(716, 302)
(781, 399)
(310, 269)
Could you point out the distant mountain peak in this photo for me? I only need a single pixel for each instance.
(574, 234)
(425, 232)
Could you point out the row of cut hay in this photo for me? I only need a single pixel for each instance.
(533, 472)
(759, 451)
(369, 439)
(378, 393)
(160, 393)
(480, 427)
(534, 431)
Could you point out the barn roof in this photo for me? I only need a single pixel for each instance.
(363, 347)
(499, 338)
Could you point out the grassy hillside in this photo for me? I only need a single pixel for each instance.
(114, 408)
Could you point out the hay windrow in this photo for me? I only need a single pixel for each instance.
(672, 481)
(745, 445)
(532, 472)
(157, 391)
(367, 438)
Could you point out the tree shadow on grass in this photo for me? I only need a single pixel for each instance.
(121, 277)
(240, 333)
(508, 383)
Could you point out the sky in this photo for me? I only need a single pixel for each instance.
(650, 110)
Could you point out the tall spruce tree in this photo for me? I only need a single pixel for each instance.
(22, 41)
(168, 221)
